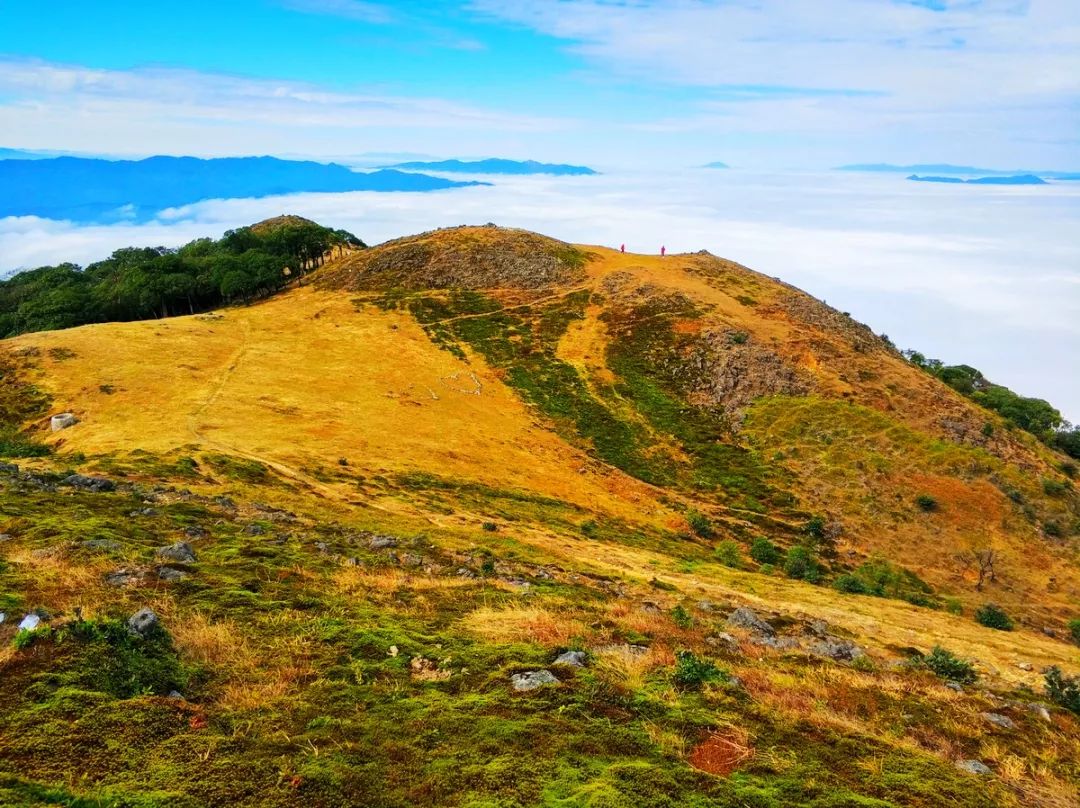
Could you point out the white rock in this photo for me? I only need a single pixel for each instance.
(30, 622)
(62, 421)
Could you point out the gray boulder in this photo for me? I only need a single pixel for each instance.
(531, 680)
(102, 545)
(125, 577)
(745, 617)
(724, 641)
(575, 658)
(974, 767)
(836, 648)
(181, 553)
(85, 483)
(382, 542)
(144, 622)
(8, 468)
(170, 574)
(999, 720)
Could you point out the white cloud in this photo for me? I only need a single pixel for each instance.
(984, 275)
(984, 76)
(187, 111)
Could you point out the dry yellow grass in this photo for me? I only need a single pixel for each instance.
(523, 624)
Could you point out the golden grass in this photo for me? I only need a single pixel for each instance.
(523, 624)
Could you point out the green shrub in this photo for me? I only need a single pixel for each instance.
(987, 429)
(25, 638)
(764, 551)
(692, 671)
(993, 616)
(949, 666)
(490, 527)
(728, 553)
(1053, 529)
(954, 606)
(1074, 630)
(589, 528)
(1063, 690)
(926, 503)
(15, 444)
(850, 584)
(1069, 469)
(1054, 488)
(815, 528)
(699, 523)
(801, 565)
(681, 617)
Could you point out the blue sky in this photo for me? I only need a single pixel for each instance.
(770, 83)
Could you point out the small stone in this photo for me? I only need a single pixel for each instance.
(170, 574)
(531, 680)
(322, 547)
(181, 553)
(5, 537)
(974, 767)
(255, 529)
(574, 658)
(8, 468)
(959, 688)
(838, 649)
(818, 628)
(124, 577)
(1040, 709)
(411, 560)
(723, 640)
(745, 617)
(382, 542)
(194, 532)
(1025, 666)
(393, 652)
(97, 485)
(144, 622)
(104, 545)
(999, 720)
(3, 617)
(62, 421)
(176, 694)
(30, 622)
(352, 561)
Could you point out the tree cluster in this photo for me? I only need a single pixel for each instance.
(141, 283)
(1034, 415)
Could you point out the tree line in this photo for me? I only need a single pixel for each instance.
(142, 283)
(1034, 415)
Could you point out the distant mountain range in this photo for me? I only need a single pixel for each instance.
(938, 169)
(1018, 179)
(83, 189)
(716, 165)
(496, 166)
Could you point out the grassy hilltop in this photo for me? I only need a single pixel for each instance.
(373, 512)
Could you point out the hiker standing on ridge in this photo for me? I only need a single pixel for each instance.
(663, 251)
(622, 248)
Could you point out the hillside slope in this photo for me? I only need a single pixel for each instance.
(453, 457)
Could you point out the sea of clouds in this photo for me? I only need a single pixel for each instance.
(985, 275)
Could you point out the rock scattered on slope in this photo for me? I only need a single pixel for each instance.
(745, 617)
(999, 720)
(181, 553)
(836, 648)
(144, 622)
(30, 622)
(974, 767)
(125, 577)
(575, 658)
(64, 420)
(531, 680)
(83, 482)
